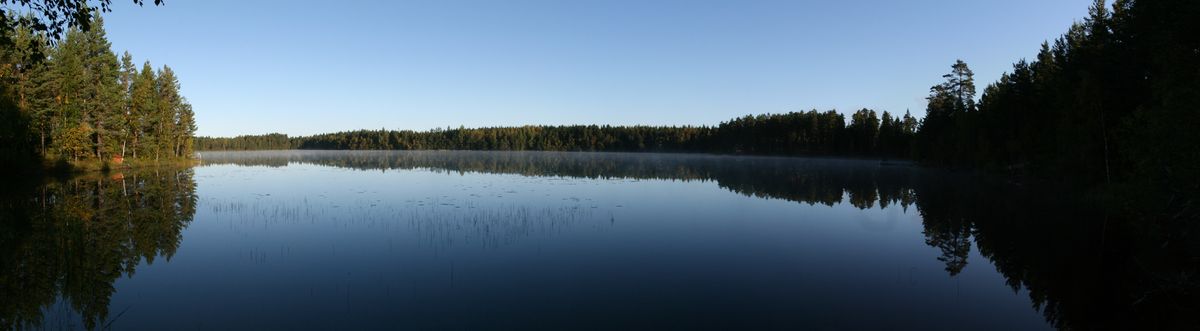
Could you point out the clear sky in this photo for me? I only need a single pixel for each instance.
(252, 67)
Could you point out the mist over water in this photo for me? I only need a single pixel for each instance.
(399, 239)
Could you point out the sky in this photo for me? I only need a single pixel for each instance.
(254, 67)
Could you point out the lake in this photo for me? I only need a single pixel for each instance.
(555, 240)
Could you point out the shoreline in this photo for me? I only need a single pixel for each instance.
(64, 167)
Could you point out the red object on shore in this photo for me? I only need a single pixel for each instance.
(118, 159)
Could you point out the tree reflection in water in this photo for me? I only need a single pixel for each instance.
(69, 240)
(1083, 266)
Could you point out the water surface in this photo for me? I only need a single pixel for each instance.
(520, 240)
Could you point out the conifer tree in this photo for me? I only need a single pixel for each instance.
(126, 118)
(143, 106)
(960, 83)
(69, 80)
(102, 94)
(170, 104)
(74, 99)
(22, 78)
(186, 124)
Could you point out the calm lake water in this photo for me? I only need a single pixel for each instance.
(521, 240)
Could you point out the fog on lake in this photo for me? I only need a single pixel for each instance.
(518, 240)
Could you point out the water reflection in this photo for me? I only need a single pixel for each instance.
(68, 241)
(812, 181)
(862, 184)
(1083, 268)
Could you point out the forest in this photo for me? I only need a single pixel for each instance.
(795, 133)
(73, 99)
(1113, 101)
(1110, 103)
(1108, 111)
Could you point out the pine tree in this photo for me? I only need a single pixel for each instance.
(68, 83)
(187, 131)
(126, 120)
(143, 106)
(908, 129)
(910, 123)
(864, 128)
(73, 99)
(23, 117)
(170, 105)
(960, 83)
(943, 134)
(102, 96)
(890, 135)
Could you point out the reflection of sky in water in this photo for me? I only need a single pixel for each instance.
(308, 246)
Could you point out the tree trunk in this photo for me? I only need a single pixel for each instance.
(99, 140)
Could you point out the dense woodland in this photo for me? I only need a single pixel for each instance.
(1115, 100)
(796, 133)
(1112, 101)
(74, 99)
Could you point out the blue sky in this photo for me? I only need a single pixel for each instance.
(252, 67)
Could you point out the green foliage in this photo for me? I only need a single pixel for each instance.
(245, 143)
(81, 103)
(1113, 100)
(143, 106)
(864, 130)
(943, 135)
(795, 133)
(16, 84)
(895, 135)
(53, 16)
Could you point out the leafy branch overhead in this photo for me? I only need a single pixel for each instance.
(55, 16)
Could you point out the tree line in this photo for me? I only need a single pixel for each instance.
(271, 141)
(72, 98)
(795, 133)
(1111, 101)
(1115, 101)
